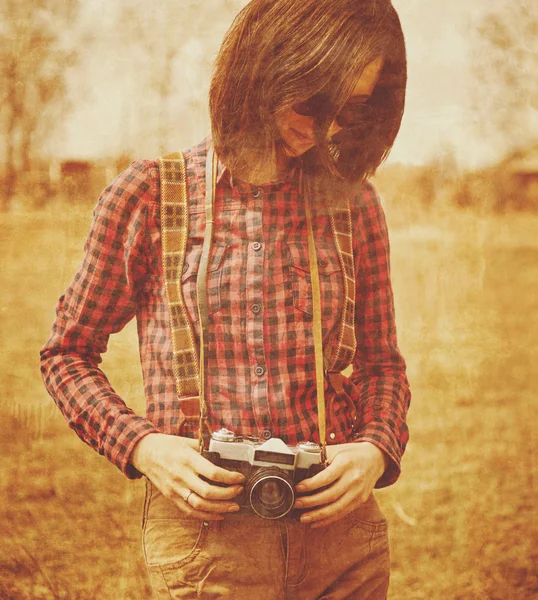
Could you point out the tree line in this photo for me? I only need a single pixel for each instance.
(43, 42)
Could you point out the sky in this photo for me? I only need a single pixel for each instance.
(442, 94)
(440, 116)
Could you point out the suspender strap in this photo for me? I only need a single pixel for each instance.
(343, 237)
(318, 333)
(174, 234)
(318, 341)
(201, 284)
(342, 356)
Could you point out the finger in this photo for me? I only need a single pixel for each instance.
(336, 509)
(331, 494)
(196, 512)
(207, 490)
(211, 506)
(198, 501)
(323, 478)
(200, 515)
(333, 519)
(192, 443)
(214, 473)
(338, 515)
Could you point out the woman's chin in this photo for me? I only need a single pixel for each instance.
(296, 150)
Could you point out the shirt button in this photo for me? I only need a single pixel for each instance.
(259, 370)
(322, 262)
(256, 246)
(255, 308)
(256, 193)
(267, 434)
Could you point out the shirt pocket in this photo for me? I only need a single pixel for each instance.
(330, 279)
(214, 278)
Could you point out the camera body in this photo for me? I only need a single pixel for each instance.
(271, 469)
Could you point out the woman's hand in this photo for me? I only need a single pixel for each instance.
(351, 476)
(173, 464)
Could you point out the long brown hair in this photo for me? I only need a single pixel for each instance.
(281, 52)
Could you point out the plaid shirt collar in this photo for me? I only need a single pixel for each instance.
(225, 176)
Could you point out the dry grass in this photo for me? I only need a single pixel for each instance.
(463, 513)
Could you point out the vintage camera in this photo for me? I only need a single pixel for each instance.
(271, 468)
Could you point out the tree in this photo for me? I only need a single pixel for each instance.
(35, 54)
(505, 64)
(172, 48)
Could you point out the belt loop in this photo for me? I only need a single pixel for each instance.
(216, 525)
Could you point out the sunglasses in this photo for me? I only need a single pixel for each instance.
(320, 105)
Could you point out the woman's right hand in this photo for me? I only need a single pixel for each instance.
(173, 464)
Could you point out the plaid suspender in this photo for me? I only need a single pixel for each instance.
(343, 237)
(174, 234)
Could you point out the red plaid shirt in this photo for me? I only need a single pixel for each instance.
(260, 360)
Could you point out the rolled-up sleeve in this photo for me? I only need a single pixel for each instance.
(379, 370)
(100, 301)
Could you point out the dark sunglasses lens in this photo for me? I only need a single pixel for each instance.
(318, 105)
(314, 106)
(351, 114)
(304, 109)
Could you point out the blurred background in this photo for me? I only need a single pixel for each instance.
(88, 87)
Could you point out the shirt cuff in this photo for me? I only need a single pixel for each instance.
(393, 469)
(128, 430)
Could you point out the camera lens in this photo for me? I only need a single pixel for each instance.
(271, 493)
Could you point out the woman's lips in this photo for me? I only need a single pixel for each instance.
(303, 138)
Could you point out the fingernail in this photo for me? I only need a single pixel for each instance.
(306, 519)
(233, 508)
(298, 504)
(300, 488)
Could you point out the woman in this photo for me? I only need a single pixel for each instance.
(306, 101)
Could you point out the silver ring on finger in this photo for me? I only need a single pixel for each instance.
(188, 496)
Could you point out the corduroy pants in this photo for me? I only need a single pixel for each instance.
(246, 557)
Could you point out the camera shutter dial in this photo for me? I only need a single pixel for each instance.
(309, 447)
(223, 435)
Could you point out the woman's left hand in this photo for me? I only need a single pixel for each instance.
(351, 476)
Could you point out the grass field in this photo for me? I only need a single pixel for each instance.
(463, 515)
